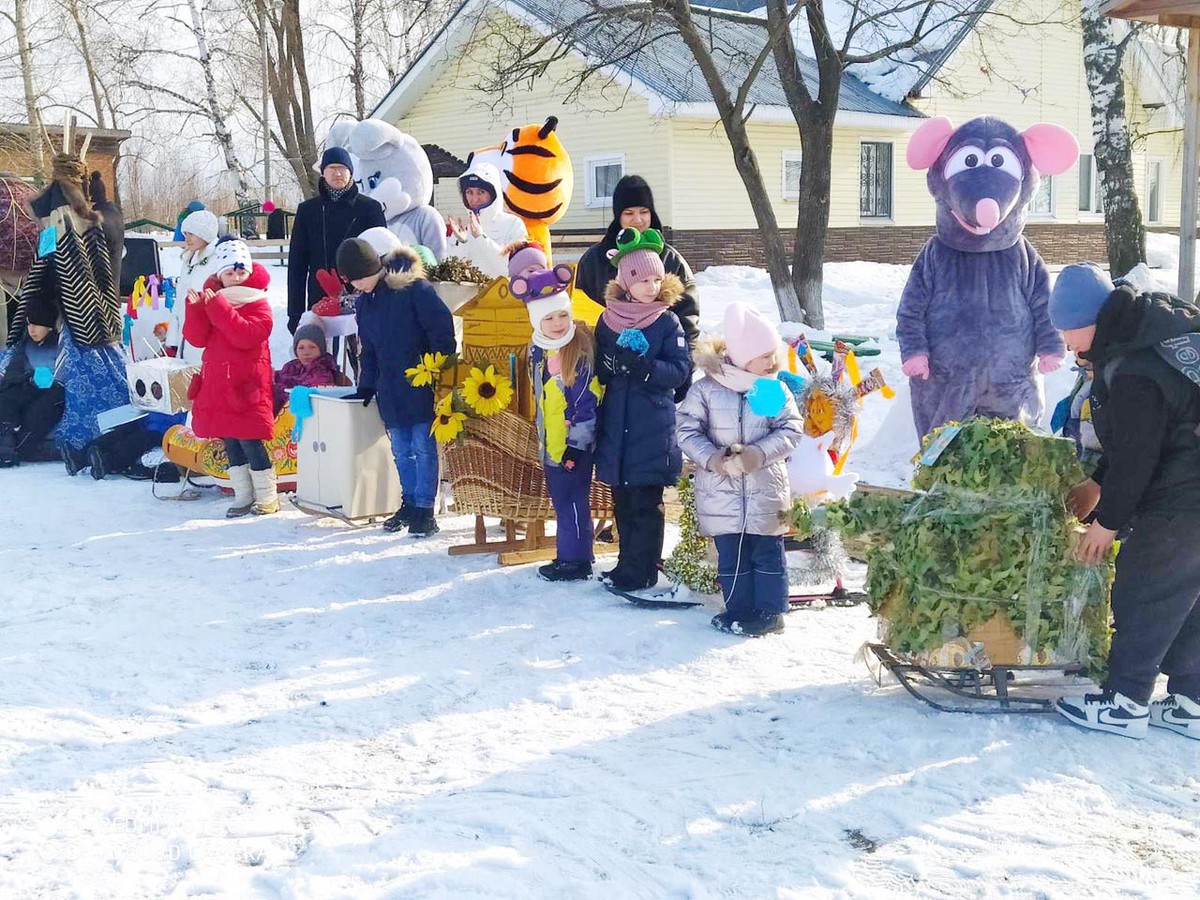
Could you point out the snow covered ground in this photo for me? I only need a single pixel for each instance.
(288, 708)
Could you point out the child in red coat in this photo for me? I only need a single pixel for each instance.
(231, 397)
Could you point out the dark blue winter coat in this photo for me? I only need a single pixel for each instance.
(320, 226)
(637, 446)
(399, 322)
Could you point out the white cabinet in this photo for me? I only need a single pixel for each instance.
(344, 461)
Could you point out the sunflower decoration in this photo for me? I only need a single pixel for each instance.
(487, 392)
(428, 370)
(447, 422)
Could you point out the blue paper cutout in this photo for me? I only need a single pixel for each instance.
(767, 397)
(633, 339)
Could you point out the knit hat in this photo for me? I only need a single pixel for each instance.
(41, 311)
(232, 254)
(202, 224)
(310, 332)
(1079, 293)
(632, 190)
(337, 156)
(747, 334)
(357, 259)
(525, 255)
(268, 206)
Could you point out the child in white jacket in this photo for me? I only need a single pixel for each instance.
(488, 230)
(738, 425)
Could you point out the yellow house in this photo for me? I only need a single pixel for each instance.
(650, 113)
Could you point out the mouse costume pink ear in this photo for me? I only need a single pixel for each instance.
(1051, 148)
(928, 142)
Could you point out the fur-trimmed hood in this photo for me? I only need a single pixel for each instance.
(403, 267)
(709, 355)
(671, 291)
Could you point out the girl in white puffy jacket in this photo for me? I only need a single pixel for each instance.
(740, 446)
(483, 237)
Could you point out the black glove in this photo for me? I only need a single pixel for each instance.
(365, 394)
(572, 457)
(632, 363)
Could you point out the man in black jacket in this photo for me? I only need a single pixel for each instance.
(1146, 413)
(633, 207)
(321, 224)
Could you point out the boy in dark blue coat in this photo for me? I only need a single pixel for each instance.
(641, 358)
(400, 318)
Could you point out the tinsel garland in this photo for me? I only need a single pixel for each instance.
(688, 562)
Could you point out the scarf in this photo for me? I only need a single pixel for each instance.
(738, 380)
(336, 195)
(240, 295)
(622, 314)
(547, 343)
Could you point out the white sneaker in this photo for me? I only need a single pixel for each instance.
(1177, 713)
(1109, 711)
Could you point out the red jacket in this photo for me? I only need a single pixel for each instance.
(231, 397)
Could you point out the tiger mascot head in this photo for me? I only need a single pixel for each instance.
(538, 178)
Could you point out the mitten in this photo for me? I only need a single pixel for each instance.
(571, 457)
(1049, 362)
(752, 459)
(916, 366)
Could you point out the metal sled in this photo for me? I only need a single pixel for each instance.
(996, 690)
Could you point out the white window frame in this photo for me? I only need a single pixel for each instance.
(796, 156)
(1095, 207)
(1162, 170)
(1052, 213)
(591, 164)
(891, 216)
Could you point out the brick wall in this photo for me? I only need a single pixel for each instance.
(1058, 244)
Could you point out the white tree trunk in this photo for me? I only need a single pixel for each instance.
(31, 107)
(220, 127)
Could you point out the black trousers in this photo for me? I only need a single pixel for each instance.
(33, 412)
(1156, 606)
(641, 523)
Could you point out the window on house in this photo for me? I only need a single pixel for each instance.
(603, 173)
(791, 174)
(875, 180)
(1154, 191)
(1089, 185)
(1042, 204)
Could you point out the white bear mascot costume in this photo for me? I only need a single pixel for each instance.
(392, 167)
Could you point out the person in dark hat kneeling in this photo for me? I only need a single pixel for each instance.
(31, 401)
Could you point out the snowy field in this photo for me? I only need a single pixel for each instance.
(288, 708)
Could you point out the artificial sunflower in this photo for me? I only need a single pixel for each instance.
(427, 370)
(447, 424)
(487, 392)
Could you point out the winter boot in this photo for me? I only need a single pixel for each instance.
(8, 446)
(243, 492)
(74, 459)
(628, 581)
(1109, 711)
(400, 518)
(96, 461)
(1177, 713)
(266, 496)
(422, 523)
(566, 570)
(753, 625)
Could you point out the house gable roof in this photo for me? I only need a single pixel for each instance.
(662, 66)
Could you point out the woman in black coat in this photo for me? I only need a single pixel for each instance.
(633, 207)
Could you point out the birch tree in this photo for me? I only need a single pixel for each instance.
(1103, 61)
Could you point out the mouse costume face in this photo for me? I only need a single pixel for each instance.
(983, 175)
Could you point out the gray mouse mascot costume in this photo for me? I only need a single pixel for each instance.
(973, 317)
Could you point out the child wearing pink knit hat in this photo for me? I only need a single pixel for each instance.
(738, 425)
